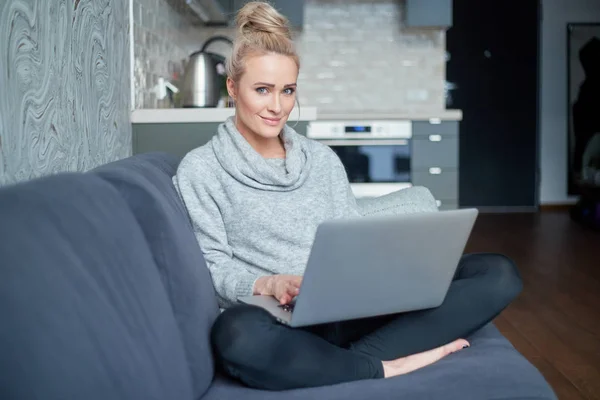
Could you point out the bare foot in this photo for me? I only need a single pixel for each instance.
(413, 362)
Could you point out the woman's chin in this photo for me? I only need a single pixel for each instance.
(270, 131)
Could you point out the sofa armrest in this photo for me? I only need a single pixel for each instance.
(406, 201)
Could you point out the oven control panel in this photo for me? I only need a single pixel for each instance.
(359, 130)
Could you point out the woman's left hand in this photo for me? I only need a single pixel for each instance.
(283, 287)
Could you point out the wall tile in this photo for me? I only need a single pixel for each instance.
(164, 39)
(365, 60)
(356, 55)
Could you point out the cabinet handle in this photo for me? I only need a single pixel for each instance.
(435, 138)
(435, 170)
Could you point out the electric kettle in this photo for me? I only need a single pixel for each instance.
(204, 77)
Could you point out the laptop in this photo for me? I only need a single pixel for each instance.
(376, 265)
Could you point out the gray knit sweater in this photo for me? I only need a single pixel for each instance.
(254, 216)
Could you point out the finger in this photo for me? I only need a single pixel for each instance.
(292, 290)
(295, 284)
(279, 297)
(282, 294)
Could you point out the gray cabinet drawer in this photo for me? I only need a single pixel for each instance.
(425, 128)
(440, 153)
(442, 186)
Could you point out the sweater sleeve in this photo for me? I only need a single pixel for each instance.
(230, 277)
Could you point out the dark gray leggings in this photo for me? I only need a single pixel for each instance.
(250, 345)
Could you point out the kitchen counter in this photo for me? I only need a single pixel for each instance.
(200, 115)
(195, 115)
(444, 115)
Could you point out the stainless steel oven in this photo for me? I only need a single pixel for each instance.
(375, 154)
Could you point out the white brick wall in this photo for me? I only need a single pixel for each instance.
(356, 55)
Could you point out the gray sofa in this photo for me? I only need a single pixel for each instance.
(104, 294)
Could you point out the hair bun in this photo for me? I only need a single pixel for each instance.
(261, 29)
(259, 16)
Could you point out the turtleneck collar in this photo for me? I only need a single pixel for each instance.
(246, 165)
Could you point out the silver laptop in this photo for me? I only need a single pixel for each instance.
(369, 266)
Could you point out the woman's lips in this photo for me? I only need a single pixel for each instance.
(271, 121)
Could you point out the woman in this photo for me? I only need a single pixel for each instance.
(256, 194)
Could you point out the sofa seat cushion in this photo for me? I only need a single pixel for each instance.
(490, 369)
(145, 183)
(84, 314)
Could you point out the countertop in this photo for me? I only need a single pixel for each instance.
(195, 115)
(444, 115)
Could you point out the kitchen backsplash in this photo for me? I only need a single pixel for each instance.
(65, 87)
(163, 39)
(355, 56)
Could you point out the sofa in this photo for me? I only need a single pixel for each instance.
(104, 294)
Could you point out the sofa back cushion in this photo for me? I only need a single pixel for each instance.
(84, 314)
(145, 182)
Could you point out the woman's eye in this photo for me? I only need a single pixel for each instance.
(289, 91)
(261, 90)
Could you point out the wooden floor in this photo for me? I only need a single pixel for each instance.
(555, 323)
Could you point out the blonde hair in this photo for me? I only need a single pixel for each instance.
(261, 29)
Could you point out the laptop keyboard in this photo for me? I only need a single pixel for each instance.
(286, 307)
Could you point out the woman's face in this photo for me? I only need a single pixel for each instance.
(264, 95)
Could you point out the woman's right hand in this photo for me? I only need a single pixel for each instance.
(283, 287)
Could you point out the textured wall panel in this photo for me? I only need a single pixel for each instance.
(64, 80)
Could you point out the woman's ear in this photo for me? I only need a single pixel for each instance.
(231, 88)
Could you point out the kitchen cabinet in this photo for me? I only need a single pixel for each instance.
(428, 13)
(179, 130)
(178, 138)
(435, 160)
(441, 148)
(174, 138)
(226, 5)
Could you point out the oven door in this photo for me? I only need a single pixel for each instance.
(375, 167)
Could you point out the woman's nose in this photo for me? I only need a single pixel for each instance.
(275, 105)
